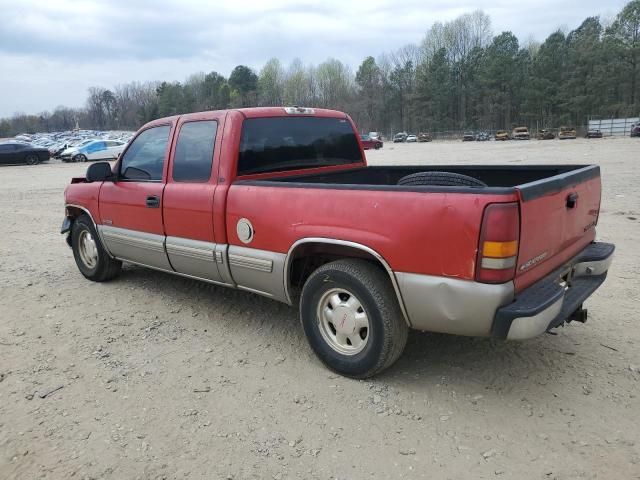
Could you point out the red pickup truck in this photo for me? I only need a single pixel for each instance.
(281, 202)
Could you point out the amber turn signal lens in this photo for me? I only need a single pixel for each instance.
(500, 249)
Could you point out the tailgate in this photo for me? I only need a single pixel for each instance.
(558, 216)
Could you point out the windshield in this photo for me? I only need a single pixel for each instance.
(290, 143)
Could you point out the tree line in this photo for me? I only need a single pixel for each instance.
(460, 76)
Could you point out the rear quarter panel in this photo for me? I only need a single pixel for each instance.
(416, 232)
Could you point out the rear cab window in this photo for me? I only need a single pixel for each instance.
(193, 156)
(276, 144)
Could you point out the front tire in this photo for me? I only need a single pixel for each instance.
(92, 259)
(80, 158)
(351, 318)
(31, 159)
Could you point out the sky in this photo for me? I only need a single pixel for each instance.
(52, 51)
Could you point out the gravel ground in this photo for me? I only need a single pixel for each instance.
(162, 377)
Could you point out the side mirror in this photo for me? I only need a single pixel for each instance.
(99, 172)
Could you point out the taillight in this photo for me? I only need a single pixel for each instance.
(498, 247)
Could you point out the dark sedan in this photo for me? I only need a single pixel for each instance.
(22, 153)
(368, 142)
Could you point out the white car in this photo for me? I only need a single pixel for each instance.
(94, 150)
(411, 138)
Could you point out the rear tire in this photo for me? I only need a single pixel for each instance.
(444, 179)
(92, 259)
(351, 318)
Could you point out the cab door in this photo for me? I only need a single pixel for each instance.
(188, 199)
(131, 206)
(6, 153)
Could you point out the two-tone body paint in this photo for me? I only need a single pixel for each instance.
(427, 241)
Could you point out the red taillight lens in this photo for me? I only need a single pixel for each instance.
(498, 247)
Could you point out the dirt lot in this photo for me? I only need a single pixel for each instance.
(166, 378)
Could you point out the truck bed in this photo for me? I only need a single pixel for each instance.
(530, 180)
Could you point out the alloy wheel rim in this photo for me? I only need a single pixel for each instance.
(343, 321)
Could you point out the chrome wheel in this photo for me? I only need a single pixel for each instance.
(87, 249)
(343, 321)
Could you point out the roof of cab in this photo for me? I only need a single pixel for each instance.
(252, 112)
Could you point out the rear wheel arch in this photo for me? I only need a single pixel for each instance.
(308, 254)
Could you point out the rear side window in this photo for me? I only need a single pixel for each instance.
(144, 159)
(194, 151)
(291, 143)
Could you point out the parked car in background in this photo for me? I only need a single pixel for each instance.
(375, 135)
(369, 143)
(593, 133)
(635, 130)
(17, 152)
(566, 133)
(546, 135)
(400, 137)
(72, 148)
(424, 137)
(502, 135)
(57, 148)
(520, 133)
(483, 137)
(411, 139)
(94, 150)
(468, 137)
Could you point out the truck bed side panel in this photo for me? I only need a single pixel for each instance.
(429, 233)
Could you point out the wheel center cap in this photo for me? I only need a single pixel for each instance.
(345, 321)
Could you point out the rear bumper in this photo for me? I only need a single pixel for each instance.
(462, 307)
(551, 301)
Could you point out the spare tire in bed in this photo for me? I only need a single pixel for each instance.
(440, 179)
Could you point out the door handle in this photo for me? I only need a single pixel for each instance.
(572, 200)
(153, 201)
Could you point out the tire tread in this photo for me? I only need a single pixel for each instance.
(375, 280)
(444, 179)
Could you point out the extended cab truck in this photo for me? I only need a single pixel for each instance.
(281, 202)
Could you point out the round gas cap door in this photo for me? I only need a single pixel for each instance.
(244, 229)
